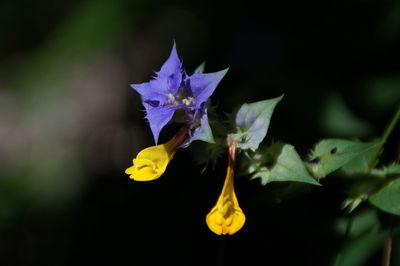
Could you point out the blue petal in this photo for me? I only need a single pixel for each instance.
(154, 90)
(158, 117)
(172, 65)
(186, 87)
(173, 82)
(203, 85)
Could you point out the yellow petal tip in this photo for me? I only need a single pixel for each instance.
(228, 224)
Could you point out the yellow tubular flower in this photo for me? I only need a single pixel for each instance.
(151, 162)
(227, 217)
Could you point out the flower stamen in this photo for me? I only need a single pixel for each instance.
(188, 101)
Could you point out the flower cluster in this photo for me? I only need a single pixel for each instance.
(175, 96)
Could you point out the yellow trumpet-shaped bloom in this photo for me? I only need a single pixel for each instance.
(150, 163)
(226, 217)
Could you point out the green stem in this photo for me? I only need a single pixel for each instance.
(387, 248)
(386, 133)
(389, 128)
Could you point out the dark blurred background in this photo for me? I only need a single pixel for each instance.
(70, 125)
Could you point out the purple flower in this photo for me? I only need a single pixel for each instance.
(174, 96)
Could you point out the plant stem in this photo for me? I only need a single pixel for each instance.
(386, 133)
(387, 247)
(389, 128)
(387, 251)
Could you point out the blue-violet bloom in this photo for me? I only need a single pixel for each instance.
(174, 96)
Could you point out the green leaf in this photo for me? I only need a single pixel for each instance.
(388, 197)
(283, 164)
(356, 252)
(358, 223)
(331, 154)
(391, 171)
(360, 186)
(200, 68)
(252, 122)
(362, 237)
(363, 162)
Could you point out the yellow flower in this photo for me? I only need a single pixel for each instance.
(227, 217)
(151, 162)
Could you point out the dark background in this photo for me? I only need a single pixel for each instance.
(70, 125)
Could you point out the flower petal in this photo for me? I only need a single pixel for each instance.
(158, 117)
(150, 163)
(173, 82)
(172, 65)
(226, 217)
(154, 90)
(203, 85)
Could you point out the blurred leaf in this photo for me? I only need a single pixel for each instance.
(331, 154)
(338, 120)
(358, 223)
(90, 28)
(252, 121)
(362, 237)
(388, 197)
(357, 251)
(382, 94)
(391, 22)
(92, 25)
(285, 165)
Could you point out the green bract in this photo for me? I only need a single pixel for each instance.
(387, 198)
(331, 154)
(252, 122)
(281, 162)
(200, 68)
